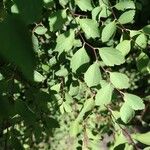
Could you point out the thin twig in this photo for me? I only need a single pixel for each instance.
(85, 43)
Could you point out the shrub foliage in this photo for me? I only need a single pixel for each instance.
(74, 74)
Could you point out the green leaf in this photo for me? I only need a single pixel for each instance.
(134, 33)
(38, 77)
(124, 47)
(52, 61)
(77, 43)
(67, 107)
(48, 3)
(142, 62)
(120, 139)
(108, 31)
(61, 108)
(111, 56)
(128, 147)
(74, 88)
(65, 41)
(63, 72)
(123, 5)
(74, 128)
(135, 102)
(35, 42)
(84, 5)
(79, 58)
(45, 68)
(104, 2)
(88, 105)
(126, 113)
(30, 11)
(127, 17)
(143, 137)
(90, 28)
(63, 2)
(147, 148)
(105, 11)
(68, 98)
(40, 30)
(104, 95)
(16, 45)
(146, 29)
(56, 87)
(119, 80)
(14, 9)
(95, 12)
(148, 67)
(92, 76)
(141, 41)
(57, 20)
(103, 83)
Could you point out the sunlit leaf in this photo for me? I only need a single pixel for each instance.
(104, 95)
(38, 77)
(124, 47)
(142, 137)
(57, 20)
(62, 72)
(88, 105)
(127, 17)
(74, 128)
(90, 28)
(40, 30)
(92, 76)
(141, 41)
(135, 102)
(126, 113)
(119, 80)
(65, 41)
(84, 4)
(123, 5)
(111, 56)
(79, 58)
(108, 31)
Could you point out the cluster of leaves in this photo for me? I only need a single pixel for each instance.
(74, 73)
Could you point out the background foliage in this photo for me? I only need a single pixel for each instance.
(74, 74)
